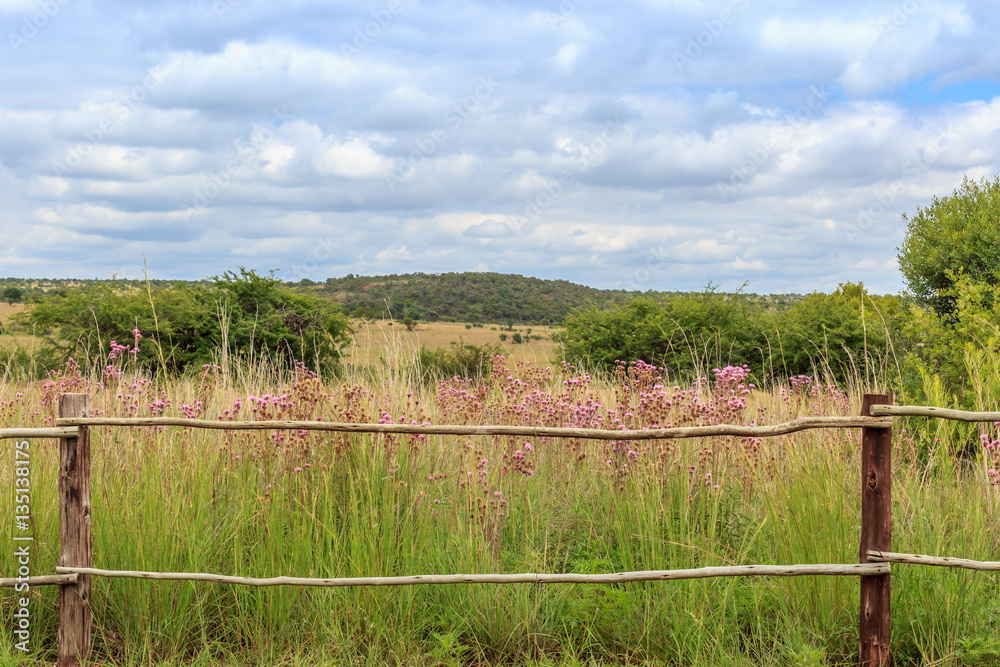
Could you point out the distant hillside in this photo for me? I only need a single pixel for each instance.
(465, 297)
(479, 297)
(497, 298)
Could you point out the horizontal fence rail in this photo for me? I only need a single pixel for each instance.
(801, 424)
(937, 561)
(44, 580)
(939, 413)
(851, 569)
(30, 433)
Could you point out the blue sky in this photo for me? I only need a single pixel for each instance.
(637, 144)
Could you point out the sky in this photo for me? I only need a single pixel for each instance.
(636, 144)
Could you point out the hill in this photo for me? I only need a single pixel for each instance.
(481, 297)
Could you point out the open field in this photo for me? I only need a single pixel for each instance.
(6, 338)
(6, 310)
(262, 504)
(375, 340)
(378, 340)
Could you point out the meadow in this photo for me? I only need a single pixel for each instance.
(376, 341)
(337, 505)
(8, 338)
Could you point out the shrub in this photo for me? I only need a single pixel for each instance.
(463, 360)
(686, 334)
(959, 233)
(183, 326)
(848, 333)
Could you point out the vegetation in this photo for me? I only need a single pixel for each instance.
(33, 289)
(480, 297)
(12, 295)
(462, 360)
(951, 261)
(323, 505)
(188, 325)
(848, 334)
(312, 504)
(953, 236)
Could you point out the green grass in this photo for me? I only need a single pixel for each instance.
(181, 500)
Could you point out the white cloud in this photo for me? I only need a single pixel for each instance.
(292, 140)
(352, 158)
(566, 58)
(488, 229)
(740, 264)
(830, 35)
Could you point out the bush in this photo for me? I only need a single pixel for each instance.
(12, 295)
(846, 334)
(462, 360)
(175, 328)
(957, 234)
(945, 341)
(687, 334)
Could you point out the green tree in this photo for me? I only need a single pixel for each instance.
(266, 318)
(954, 235)
(687, 334)
(186, 325)
(12, 295)
(846, 334)
(944, 341)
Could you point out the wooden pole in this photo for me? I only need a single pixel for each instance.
(876, 534)
(75, 545)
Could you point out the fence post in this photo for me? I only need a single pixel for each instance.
(75, 545)
(876, 533)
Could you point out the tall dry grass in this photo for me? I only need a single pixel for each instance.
(334, 505)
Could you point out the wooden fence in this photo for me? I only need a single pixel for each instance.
(875, 554)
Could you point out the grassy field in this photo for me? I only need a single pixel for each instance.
(377, 340)
(293, 503)
(6, 310)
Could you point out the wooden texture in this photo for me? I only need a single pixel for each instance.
(44, 580)
(27, 433)
(876, 534)
(75, 547)
(850, 569)
(801, 424)
(919, 559)
(929, 411)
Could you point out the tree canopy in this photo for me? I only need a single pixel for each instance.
(186, 325)
(954, 235)
(844, 335)
(12, 295)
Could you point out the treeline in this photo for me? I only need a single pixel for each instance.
(847, 334)
(938, 344)
(471, 297)
(29, 290)
(481, 297)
